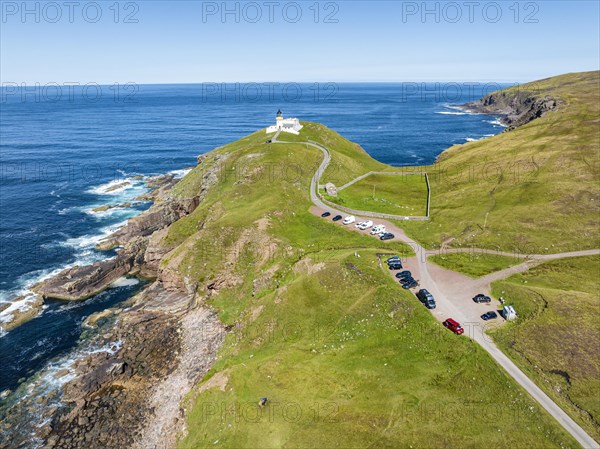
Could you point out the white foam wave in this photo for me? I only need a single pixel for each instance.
(496, 122)
(21, 305)
(124, 282)
(90, 240)
(456, 108)
(118, 187)
(178, 174)
(116, 211)
(59, 372)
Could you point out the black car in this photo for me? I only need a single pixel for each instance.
(404, 274)
(387, 236)
(325, 214)
(481, 298)
(395, 262)
(426, 298)
(423, 294)
(489, 315)
(337, 218)
(269, 141)
(410, 284)
(395, 266)
(393, 259)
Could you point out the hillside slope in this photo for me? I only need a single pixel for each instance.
(532, 189)
(345, 357)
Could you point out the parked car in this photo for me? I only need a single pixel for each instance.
(325, 214)
(395, 265)
(395, 262)
(393, 259)
(409, 283)
(269, 141)
(481, 298)
(337, 218)
(377, 229)
(349, 219)
(430, 304)
(404, 274)
(454, 326)
(426, 298)
(386, 236)
(489, 315)
(423, 294)
(364, 225)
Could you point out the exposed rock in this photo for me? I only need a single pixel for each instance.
(167, 340)
(159, 216)
(160, 185)
(82, 282)
(118, 186)
(517, 107)
(111, 206)
(109, 400)
(20, 316)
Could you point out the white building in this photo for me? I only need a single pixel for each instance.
(286, 125)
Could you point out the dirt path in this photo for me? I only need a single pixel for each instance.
(453, 293)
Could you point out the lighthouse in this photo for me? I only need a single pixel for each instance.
(286, 125)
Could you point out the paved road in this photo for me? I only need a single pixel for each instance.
(453, 292)
(585, 252)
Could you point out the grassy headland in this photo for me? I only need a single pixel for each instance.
(345, 357)
(534, 188)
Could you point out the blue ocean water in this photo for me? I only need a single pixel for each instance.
(60, 155)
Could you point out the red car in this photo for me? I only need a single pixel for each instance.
(454, 326)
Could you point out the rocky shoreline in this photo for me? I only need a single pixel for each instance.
(515, 109)
(165, 340)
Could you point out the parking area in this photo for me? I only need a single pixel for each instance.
(453, 291)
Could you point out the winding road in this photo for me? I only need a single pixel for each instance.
(453, 292)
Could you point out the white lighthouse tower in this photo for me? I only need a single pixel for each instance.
(286, 125)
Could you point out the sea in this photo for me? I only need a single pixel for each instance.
(66, 150)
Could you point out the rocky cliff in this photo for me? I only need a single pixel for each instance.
(517, 107)
(165, 338)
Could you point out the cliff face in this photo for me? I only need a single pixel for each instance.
(518, 107)
(166, 336)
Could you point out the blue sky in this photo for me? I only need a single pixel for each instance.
(190, 41)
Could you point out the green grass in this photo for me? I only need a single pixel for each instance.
(344, 355)
(556, 339)
(533, 189)
(347, 359)
(348, 159)
(475, 264)
(388, 194)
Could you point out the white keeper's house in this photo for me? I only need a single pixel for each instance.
(286, 125)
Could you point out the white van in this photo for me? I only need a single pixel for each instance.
(349, 219)
(509, 313)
